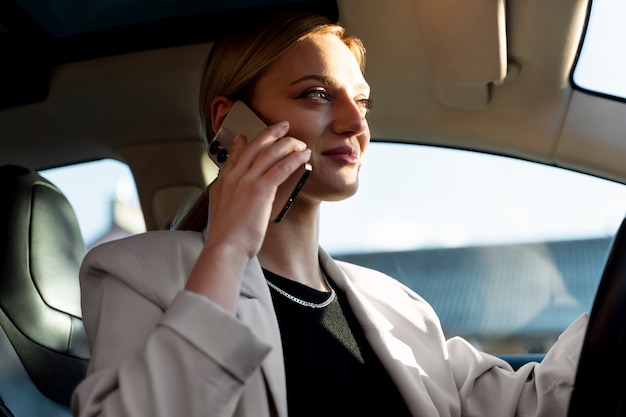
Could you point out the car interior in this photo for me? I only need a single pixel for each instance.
(90, 81)
(42, 343)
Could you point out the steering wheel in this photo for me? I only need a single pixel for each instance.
(600, 384)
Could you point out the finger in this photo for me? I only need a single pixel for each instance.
(274, 171)
(246, 153)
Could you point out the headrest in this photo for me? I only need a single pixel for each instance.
(41, 249)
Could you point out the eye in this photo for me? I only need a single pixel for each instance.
(366, 103)
(317, 94)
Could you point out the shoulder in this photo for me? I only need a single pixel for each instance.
(402, 308)
(365, 277)
(152, 240)
(149, 263)
(150, 248)
(382, 287)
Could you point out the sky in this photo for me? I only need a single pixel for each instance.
(435, 197)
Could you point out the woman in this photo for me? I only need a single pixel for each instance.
(234, 315)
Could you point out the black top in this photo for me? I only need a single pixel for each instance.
(331, 370)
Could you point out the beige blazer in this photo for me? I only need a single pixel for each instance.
(158, 350)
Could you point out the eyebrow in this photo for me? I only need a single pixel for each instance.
(329, 81)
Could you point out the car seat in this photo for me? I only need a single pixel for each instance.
(43, 346)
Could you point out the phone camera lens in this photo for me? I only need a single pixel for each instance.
(214, 147)
(222, 155)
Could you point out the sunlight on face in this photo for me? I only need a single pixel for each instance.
(318, 87)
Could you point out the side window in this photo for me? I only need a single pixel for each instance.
(104, 197)
(600, 65)
(507, 252)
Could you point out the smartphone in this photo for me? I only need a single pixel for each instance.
(242, 120)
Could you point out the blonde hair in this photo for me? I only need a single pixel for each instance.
(237, 61)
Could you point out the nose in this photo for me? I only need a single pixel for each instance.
(349, 116)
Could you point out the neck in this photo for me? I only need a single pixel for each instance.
(291, 247)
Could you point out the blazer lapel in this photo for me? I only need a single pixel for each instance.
(256, 309)
(397, 356)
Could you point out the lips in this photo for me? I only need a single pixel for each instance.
(345, 154)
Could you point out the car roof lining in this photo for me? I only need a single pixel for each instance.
(71, 30)
(530, 115)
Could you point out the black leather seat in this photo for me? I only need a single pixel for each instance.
(43, 347)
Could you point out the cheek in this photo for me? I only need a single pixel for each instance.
(307, 129)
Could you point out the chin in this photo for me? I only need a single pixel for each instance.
(343, 194)
(333, 189)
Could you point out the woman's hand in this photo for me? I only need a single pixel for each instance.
(240, 205)
(241, 198)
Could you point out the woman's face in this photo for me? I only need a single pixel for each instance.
(318, 87)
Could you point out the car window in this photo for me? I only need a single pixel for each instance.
(508, 252)
(601, 65)
(104, 197)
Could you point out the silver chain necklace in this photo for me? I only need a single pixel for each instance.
(302, 302)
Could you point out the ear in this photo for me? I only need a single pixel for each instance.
(220, 106)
